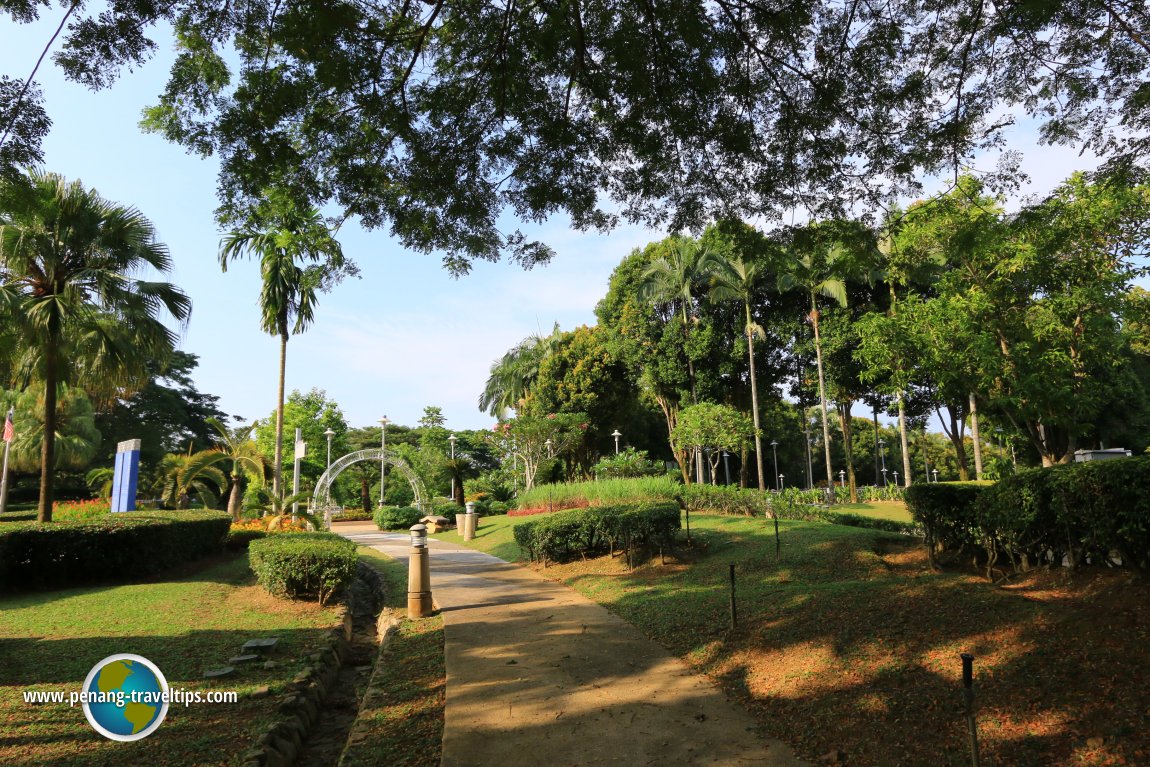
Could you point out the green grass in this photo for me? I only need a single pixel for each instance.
(49, 640)
(493, 536)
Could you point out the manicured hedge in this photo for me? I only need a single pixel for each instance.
(397, 517)
(303, 564)
(120, 547)
(624, 527)
(948, 515)
(1084, 512)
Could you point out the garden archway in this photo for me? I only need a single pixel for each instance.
(321, 498)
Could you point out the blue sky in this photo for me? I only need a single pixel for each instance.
(405, 335)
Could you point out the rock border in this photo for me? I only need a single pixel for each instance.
(280, 744)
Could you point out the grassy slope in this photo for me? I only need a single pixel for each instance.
(852, 644)
(50, 640)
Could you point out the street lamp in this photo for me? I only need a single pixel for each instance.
(882, 453)
(616, 434)
(452, 439)
(329, 434)
(896, 478)
(727, 466)
(842, 475)
(935, 473)
(549, 445)
(780, 482)
(775, 451)
(383, 422)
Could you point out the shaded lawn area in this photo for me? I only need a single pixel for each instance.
(49, 640)
(895, 510)
(852, 643)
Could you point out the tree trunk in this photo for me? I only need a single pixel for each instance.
(48, 445)
(755, 400)
(974, 435)
(844, 409)
(822, 390)
(955, 433)
(874, 415)
(234, 498)
(278, 466)
(902, 437)
(671, 415)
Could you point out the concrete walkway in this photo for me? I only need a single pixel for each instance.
(539, 675)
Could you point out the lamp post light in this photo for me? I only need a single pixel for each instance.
(616, 434)
(884, 477)
(727, 466)
(549, 445)
(452, 439)
(775, 451)
(842, 477)
(329, 434)
(383, 422)
(935, 473)
(882, 453)
(780, 482)
(896, 478)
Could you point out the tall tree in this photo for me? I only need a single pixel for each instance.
(243, 453)
(513, 374)
(283, 235)
(69, 260)
(818, 269)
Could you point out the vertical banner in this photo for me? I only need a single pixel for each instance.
(127, 475)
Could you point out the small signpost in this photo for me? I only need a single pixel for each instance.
(126, 476)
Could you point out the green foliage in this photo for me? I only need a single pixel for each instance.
(601, 493)
(239, 540)
(116, 547)
(622, 527)
(297, 565)
(397, 517)
(627, 464)
(533, 439)
(947, 512)
(77, 438)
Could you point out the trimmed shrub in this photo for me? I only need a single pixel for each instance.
(240, 538)
(397, 517)
(354, 515)
(116, 547)
(948, 515)
(447, 509)
(624, 527)
(303, 564)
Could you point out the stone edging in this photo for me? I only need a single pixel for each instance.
(281, 743)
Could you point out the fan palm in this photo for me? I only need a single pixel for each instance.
(239, 448)
(188, 474)
(281, 239)
(68, 260)
(77, 440)
(736, 278)
(819, 272)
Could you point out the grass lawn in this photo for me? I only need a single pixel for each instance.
(851, 643)
(49, 640)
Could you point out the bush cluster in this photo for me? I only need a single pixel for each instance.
(1083, 512)
(303, 564)
(397, 517)
(628, 463)
(625, 527)
(115, 547)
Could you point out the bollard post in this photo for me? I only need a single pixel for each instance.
(418, 575)
(469, 520)
(968, 700)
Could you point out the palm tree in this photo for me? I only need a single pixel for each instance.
(513, 374)
(68, 260)
(239, 447)
(818, 272)
(281, 236)
(672, 278)
(77, 440)
(736, 278)
(190, 474)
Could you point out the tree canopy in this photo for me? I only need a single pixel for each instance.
(435, 118)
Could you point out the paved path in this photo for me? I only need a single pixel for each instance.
(539, 675)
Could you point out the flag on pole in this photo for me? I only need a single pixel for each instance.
(9, 429)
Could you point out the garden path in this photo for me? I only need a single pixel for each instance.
(539, 675)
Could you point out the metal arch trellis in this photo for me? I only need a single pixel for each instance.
(321, 498)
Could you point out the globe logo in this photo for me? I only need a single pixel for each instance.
(125, 697)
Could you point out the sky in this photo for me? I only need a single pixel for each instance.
(405, 335)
